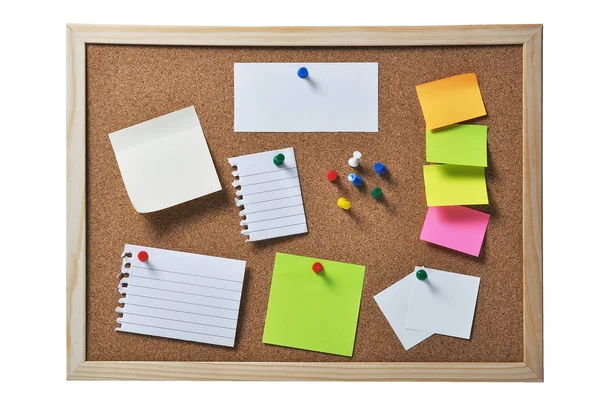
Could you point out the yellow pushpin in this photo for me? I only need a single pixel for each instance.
(343, 203)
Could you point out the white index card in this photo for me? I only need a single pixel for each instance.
(270, 195)
(393, 302)
(443, 303)
(334, 97)
(180, 295)
(165, 161)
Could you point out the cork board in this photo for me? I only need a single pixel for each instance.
(130, 84)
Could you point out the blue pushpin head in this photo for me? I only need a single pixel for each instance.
(354, 179)
(302, 72)
(380, 168)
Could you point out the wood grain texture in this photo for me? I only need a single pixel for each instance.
(76, 209)
(297, 364)
(307, 36)
(467, 372)
(532, 204)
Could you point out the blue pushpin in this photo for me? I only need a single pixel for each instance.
(302, 72)
(380, 168)
(355, 180)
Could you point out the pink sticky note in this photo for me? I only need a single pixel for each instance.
(456, 227)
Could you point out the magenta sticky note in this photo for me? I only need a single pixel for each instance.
(456, 227)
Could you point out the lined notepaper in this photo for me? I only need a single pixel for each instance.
(270, 195)
(180, 295)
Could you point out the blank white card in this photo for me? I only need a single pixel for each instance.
(393, 302)
(443, 303)
(270, 195)
(180, 295)
(334, 97)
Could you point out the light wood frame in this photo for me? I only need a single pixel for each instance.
(529, 36)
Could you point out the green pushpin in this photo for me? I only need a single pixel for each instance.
(278, 159)
(421, 274)
(376, 192)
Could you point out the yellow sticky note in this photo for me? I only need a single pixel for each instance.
(450, 185)
(450, 100)
(457, 144)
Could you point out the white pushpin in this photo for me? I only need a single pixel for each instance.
(353, 162)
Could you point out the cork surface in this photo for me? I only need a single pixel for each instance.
(130, 84)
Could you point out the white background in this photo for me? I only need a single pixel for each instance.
(32, 161)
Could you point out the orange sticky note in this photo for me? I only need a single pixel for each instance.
(450, 100)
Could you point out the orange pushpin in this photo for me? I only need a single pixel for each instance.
(317, 267)
(142, 256)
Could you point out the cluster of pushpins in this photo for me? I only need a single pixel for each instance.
(357, 180)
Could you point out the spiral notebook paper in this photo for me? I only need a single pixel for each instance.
(270, 195)
(179, 295)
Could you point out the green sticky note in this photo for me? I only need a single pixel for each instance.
(317, 312)
(457, 144)
(450, 185)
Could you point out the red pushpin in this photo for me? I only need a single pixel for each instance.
(331, 175)
(317, 267)
(142, 256)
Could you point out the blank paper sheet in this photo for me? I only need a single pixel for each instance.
(393, 302)
(334, 97)
(443, 303)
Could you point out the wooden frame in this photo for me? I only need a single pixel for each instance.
(529, 36)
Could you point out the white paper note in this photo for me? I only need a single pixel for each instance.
(270, 195)
(444, 303)
(180, 295)
(335, 97)
(393, 302)
(165, 161)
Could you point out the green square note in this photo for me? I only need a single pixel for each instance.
(317, 312)
(457, 144)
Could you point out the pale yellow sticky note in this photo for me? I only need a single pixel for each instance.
(450, 100)
(449, 185)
